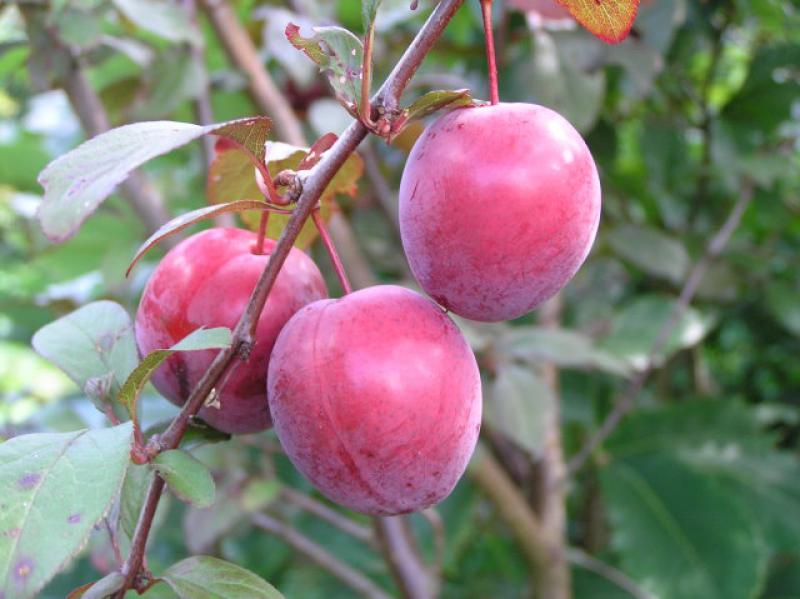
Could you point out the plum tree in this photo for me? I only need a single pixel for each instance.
(206, 281)
(499, 207)
(376, 398)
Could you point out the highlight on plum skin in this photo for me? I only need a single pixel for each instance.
(499, 207)
(376, 399)
(206, 281)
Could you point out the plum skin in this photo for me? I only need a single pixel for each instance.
(206, 281)
(376, 399)
(499, 207)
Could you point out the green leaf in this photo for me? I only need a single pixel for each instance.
(164, 19)
(436, 100)
(94, 345)
(369, 10)
(636, 326)
(201, 339)
(77, 183)
(726, 442)
(187, 476)
(56, 487)
(652, 251)
(203, 577)
(568, 349)
(680, 534)
(520, 407)
(101, 589)
(784, 307)
(339, 54)
(769, 92)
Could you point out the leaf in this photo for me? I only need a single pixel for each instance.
(520, 407)
(187, 476)
(569, 349)
(77, 183)
(726, 442)
(652, 251)
(204, 577)
(369, 10)
(679, 534)
(179, 223)
(782, 304)
(101, 589)
(94, 345)
(231, 178)
(610, 20)
(710, 465)
(636, 326)
(164, 19)
(770, 90)
(339, 54)
(217, 338)
(56, 487)
(430, 103)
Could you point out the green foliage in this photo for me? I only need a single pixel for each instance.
(57, 487)
(188, 478)
(204, 577)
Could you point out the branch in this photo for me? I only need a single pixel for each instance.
(514, 510)
(243, 54)
(315, 184)
(329, 515)
(580, 558)
(550, 470)
(625, 402)
(320, 556)
(412, 577)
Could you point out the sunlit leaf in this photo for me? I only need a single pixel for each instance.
(56, 487)
(77, 183)
(610, 20)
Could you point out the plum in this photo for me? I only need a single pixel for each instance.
(206, 281)
(499, 207)
(376, 399)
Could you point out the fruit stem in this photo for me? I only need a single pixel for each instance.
(262, 233)
(486, 9)
(326, 239)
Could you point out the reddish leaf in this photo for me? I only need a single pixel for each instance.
(322, 145)
(610, 20)
(179, 223)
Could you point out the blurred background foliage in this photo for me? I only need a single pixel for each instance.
(696, 493)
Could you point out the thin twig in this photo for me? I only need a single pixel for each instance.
(320, 556)
(412, 577)
(241, 345)
(329, 515)
(580, 558)
(112, 537)
(626, 401)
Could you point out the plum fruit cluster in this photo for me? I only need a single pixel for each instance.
(376, 396)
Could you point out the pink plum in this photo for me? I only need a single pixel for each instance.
(206, 281)
(376, 398)
(499, 207)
